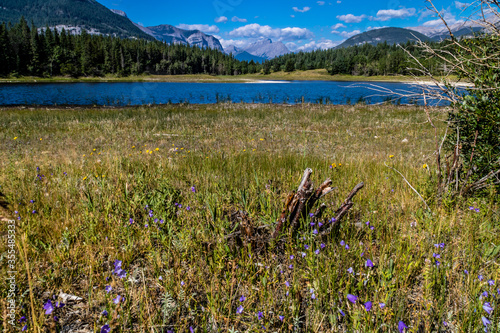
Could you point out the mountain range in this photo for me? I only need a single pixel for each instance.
(77, 15)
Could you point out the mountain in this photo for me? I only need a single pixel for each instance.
(259, 51)
(459, 33)
(389, 35)
(265, 48)
(242, 55)
(73, 14)
(173, 35)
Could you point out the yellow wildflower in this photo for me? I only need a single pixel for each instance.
(391, 156)
(15, 138)
(157, 149)
(424, 166)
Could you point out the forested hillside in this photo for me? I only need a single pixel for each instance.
(27, 51)
(366, 59)
(83, 13)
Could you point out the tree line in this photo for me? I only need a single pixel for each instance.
(26, 50)
(366, 60)
(29, 51)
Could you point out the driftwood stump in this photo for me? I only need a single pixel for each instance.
(298, 205)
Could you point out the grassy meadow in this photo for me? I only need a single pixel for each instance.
(307, 75)
(128, 209)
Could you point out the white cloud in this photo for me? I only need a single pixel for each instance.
(461, 5)
(349, 18)
(314, 45)
(237, 19)
(337, 26)
(347, 34)
(221, 19)
(321, 3)
(209, 29)
(303, 10)
(255, 30)
(375, 28)
(292, 16)
(236, 42)
(387, 14)
(338, 1)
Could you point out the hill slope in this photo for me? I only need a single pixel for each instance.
(389, 35)
(87, 14)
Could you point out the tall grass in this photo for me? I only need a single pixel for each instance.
(153, 187)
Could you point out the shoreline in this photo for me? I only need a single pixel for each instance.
(278, 77)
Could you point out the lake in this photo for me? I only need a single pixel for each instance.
(137, 93)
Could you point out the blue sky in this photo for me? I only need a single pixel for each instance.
(300, 24)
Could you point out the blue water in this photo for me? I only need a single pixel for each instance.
(137, 93)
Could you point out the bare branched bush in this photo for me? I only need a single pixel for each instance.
(469, 162)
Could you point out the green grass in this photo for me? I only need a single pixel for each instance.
(102, 166)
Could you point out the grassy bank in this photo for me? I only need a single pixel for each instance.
(154, 188)
(315, 74)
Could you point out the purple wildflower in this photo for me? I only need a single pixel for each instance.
(291, 257)
(56, 318)
(477, 210)
(368, 305)
(480, 277)
(25, 328)
(105, 313)
(306, 246)
(352, 298)
(193, 189)
(382, 305)
(117, 299)
(342, 313)
(372, 228)
(350, 270)
(281, 317)
(342, 243)
(466, 272)
(242, 298)
(487, 307)
(471, 208)
(48, 307)
(313, 296)
(260, 315)
(34, 211)
(317, 251)
(287, 283)
(188, 208)
(105, 329)
(485, 321)
(369, 263)
(59, 305)
(484, 294)
(322, 245)
(320, 224)
(22, 319)
(130, 220)
(315, 231)
(437, 263)
(31, 201)
(291, 266)
(239, 309)
(191, 330)
(108, 289)
(401, 327)
(491, 282)
(182, 283)
(311, 214)
(303, 254)
(436, 255)
(347, 247)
